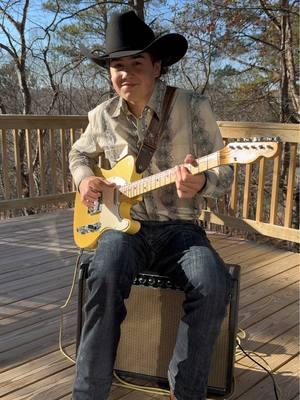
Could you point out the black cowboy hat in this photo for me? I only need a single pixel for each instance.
(127, 35)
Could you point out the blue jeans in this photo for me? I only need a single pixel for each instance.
(180, 250)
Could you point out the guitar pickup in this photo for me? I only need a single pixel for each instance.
(97, 206)
(89, 228)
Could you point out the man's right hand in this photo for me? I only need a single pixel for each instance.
(91, 187)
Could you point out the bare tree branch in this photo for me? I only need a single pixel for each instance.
(272, 18)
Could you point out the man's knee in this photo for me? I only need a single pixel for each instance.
(112, 264)
(208, 274)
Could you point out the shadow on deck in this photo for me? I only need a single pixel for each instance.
(37, 264)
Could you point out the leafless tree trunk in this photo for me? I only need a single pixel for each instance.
(2, 107)
(289, 96)
(289, 61)
(138, 6)
(19, 57)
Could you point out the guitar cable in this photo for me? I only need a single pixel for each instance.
(65, 305)
(251, 354)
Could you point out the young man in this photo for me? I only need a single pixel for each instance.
(170, 240)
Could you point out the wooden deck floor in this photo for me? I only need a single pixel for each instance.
(37, 263)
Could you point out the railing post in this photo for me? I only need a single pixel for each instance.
(17, 163)
(290, 186)
(5, 166)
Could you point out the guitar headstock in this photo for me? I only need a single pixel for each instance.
(246, 151)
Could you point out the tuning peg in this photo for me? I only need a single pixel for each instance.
(276, 139)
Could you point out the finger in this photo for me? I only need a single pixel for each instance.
(90, 202)
(97, 184)
(93, 192)
(188, 190)
(94, 189)
(182, 194)
(87, 202)
(188, 187)
(179, 177)
(93, 196)
(178, 173)
(190, 159)
(105, 182)
(184, 176)
(90, 196)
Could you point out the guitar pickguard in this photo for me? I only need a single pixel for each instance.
(112, 213)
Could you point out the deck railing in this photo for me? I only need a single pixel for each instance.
(264, 196)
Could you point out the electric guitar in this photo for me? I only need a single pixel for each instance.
(112, 210)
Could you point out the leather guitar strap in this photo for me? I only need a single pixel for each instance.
(154, 132)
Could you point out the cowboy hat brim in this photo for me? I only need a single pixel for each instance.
(168, 48)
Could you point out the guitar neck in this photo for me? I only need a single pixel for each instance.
(168, 176)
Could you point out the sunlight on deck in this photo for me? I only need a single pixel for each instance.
(37, 263)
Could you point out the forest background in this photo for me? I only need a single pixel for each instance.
(243, 54)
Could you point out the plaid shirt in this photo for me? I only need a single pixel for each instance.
(113, 132)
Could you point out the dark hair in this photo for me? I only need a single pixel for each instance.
(154, 57)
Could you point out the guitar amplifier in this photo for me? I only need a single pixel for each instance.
(149, 332)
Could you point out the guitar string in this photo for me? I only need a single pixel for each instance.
(139, 185)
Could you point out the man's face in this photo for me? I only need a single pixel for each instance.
(133, 78)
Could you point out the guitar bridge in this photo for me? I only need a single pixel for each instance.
(89, 228)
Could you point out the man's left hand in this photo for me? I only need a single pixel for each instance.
(188, 185)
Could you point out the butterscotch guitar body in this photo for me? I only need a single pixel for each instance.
(113, 211)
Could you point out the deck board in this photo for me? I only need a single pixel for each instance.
(37, 265)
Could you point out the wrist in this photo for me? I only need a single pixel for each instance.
(205, 182)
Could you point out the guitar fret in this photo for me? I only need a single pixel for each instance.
(167, 177)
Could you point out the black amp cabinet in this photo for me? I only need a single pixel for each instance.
(149, 331)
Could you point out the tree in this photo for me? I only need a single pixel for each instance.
(248, 37)
(30, 48)
(16, 46)
(10, 100)
(257, 34)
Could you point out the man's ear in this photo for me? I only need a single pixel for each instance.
(157, 69)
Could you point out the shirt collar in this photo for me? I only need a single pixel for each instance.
(121, 106)
(155, 102)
